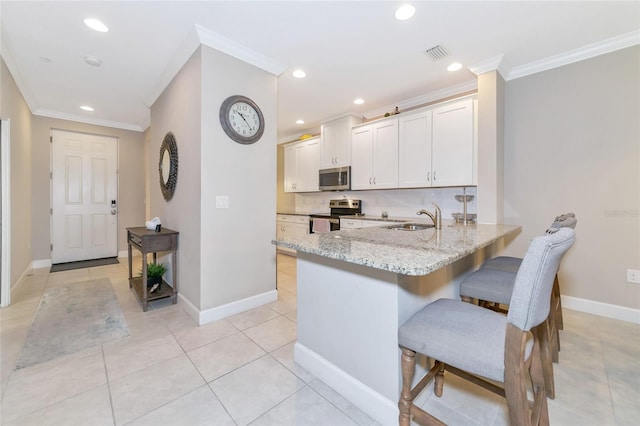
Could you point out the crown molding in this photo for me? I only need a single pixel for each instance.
(586, 52)
(425, 99)
(175, 64)
(7, 57)
(94, 121)
(497, 63)
(232, 48)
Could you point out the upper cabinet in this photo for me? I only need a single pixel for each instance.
(374, 149)
(301, 165)
(436, 147)
(336, 141)
(453, 144)
(414, 148)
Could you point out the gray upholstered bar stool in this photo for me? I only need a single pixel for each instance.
(511, 264)
(477, 344)
(492, 285)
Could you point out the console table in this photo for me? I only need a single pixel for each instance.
(147, 241)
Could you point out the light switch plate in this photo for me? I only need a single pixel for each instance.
(222, 202)
(633, 276)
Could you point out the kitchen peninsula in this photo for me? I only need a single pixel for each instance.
(357, 286)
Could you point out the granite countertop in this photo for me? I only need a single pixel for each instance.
(290, 213)
(383, 219)
(403, 252)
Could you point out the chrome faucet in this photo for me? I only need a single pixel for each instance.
(436, 218)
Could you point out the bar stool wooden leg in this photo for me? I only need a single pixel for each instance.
(406, 399)
(541, 333)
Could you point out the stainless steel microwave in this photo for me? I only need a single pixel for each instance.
(335, 179)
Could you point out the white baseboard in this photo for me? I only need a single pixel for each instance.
(220, 312)
(123, 253)
(42, 263)
(368, 400)
(21, 280)
(602, 309)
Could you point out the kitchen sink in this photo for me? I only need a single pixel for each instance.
(411, 226)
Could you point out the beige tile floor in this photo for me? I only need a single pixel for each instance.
(240, 370)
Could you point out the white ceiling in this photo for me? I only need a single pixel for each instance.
(349, 49)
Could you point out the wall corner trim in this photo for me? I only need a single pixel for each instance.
(607, 310)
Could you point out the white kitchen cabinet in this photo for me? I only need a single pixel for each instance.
(301, 164)
(291, 225)
(374, 163)
(414, 150)
(336, 141)
(453, 144)
(436, 147)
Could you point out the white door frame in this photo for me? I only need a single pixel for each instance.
(5, 278)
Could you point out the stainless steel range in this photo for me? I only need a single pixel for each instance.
(342, 207)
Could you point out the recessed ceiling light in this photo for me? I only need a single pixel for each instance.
(299, 74)
(405, 12)
(94, 24)
(92, 60)
(299, 121)
(358, 101)
(86, 108)
(454, 66)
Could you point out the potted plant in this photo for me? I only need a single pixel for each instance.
(154, 275)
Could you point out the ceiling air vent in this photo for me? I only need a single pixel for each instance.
(437, 52)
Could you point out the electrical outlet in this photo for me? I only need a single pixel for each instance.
(633, 276)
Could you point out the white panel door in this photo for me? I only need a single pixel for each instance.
(84, 197)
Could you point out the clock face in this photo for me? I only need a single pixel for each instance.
(241, 119)
(244, 119)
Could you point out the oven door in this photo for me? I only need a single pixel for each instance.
(323, 224)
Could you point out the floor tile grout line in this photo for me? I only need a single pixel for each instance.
(106, 374)
(224, 407)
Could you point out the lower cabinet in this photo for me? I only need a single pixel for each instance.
(291, 225)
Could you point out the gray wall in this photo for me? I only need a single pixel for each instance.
(130, 179)
(225, 255)
(238, 259)
(572, 143)
(14, 108)
(177, 110)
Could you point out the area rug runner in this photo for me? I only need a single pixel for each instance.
(68, 266)
(72, 318)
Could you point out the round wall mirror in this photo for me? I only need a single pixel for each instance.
(168, 166)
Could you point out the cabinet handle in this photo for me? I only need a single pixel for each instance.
(369, 181)
(428, 176)
(434, 175)
(374, 180)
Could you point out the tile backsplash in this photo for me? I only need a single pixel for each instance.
(396, 202)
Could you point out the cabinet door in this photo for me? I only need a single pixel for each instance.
(336, 142)
(362, 158)
(290, 168)
(453, 144)
(385, 154)
(414, 150)
(343, 142)
(328, 149)
(311, 164)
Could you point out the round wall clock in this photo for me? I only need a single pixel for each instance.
(241, 119)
